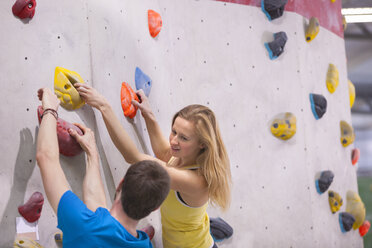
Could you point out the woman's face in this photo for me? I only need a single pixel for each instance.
(183, 140)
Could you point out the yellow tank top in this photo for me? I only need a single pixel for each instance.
(184, 226)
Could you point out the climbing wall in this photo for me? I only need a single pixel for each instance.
(207, 52)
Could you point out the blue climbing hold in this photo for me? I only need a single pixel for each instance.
(276, 47)
(143, 81)
(318, 105)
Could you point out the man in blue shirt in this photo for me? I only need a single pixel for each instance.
(89, 223)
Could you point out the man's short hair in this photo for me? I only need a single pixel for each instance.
(146, 185)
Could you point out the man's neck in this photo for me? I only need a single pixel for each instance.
(128, 223)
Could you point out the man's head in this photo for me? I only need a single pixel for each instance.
(146, 185)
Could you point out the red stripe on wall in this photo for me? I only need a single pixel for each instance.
(328, 13)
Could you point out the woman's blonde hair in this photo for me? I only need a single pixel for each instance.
(213, 160)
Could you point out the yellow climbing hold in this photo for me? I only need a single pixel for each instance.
(344, 23)
(26, 243)
(351, 93)
(284, 126)
(332, 78)
(335, 201)
(313, 29)
(347, 134)
(355, 206)
(64, 81)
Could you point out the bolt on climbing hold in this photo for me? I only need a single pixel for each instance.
(284, 126)
(58, 237)
(25, 243)
(273, 8)
(318, 105)
(346, 221)
(332, 78)
(347, 134)
(351, 93)
(31, 210)
(155, 22)
(68, 146)
(324, 181)
(24, 8)
(312, 29)
(149, 230)
(143, 81)
(355, 207)
(276, 47)
(64, 81)
(127, 95)
(335, 201)
(364, 228)
(355, 154)
(220, 229)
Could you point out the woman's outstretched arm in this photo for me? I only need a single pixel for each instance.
(160, 145)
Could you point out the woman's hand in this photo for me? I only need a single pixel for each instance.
(143, 105)
(87, 140)
(90, 95)
(48, 99)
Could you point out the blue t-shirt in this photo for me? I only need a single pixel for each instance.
(82, 227)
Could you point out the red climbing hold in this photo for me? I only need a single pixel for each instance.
(127, 95)
(31, 210)
(68, 146)
(24, 8)
(355, 154)
(149, 230)
(364, 228)
(155, 23)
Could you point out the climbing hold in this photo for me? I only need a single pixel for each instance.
(143, 81)
(155, 22)
(68, 146)
(127, 95)
(284, 126)
(332, 78)
(344, 23)
(26, 243)
(355, 154)
(220, 229)
(333, 1)
(364, 228)
(24, 8)
(31, 210)
(324, 181)
(58, 237)
(312, 29)
(273, 8)
(346, 221)
(149, 230)
(347, 134)
(355, 206)
(335, 201)
(351, 93)
(64, 81)
(318, 105)
(276, 47)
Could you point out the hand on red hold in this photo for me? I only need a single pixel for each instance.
(143, 104)
(87, 140)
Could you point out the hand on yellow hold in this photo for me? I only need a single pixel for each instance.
(64, 81)
(355, 206)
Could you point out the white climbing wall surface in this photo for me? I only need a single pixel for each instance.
(207, 52)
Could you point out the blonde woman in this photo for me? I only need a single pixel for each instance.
(194, 157)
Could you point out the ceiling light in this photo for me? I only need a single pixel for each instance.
(357, 11)
(358, 18)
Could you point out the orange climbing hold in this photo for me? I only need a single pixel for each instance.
(155, 23)
(355, 154)
(127, 95)
(363, 229)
